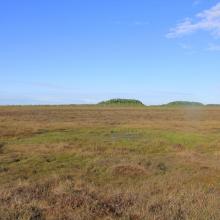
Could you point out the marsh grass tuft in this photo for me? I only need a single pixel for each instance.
(1, 147)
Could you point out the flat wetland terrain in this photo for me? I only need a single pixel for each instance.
(97, 162)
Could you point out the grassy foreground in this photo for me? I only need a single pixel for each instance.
(82, 162)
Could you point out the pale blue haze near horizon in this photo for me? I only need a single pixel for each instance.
(85, 51)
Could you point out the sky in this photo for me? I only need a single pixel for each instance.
(86, 51)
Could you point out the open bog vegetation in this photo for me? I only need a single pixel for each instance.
(100, 162)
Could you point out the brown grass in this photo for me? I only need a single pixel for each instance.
(87, 162)
(129, 170)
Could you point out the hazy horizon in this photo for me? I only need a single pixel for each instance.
(95, 103)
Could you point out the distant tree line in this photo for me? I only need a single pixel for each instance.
(121, 102)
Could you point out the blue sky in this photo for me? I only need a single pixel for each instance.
(84, 51)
